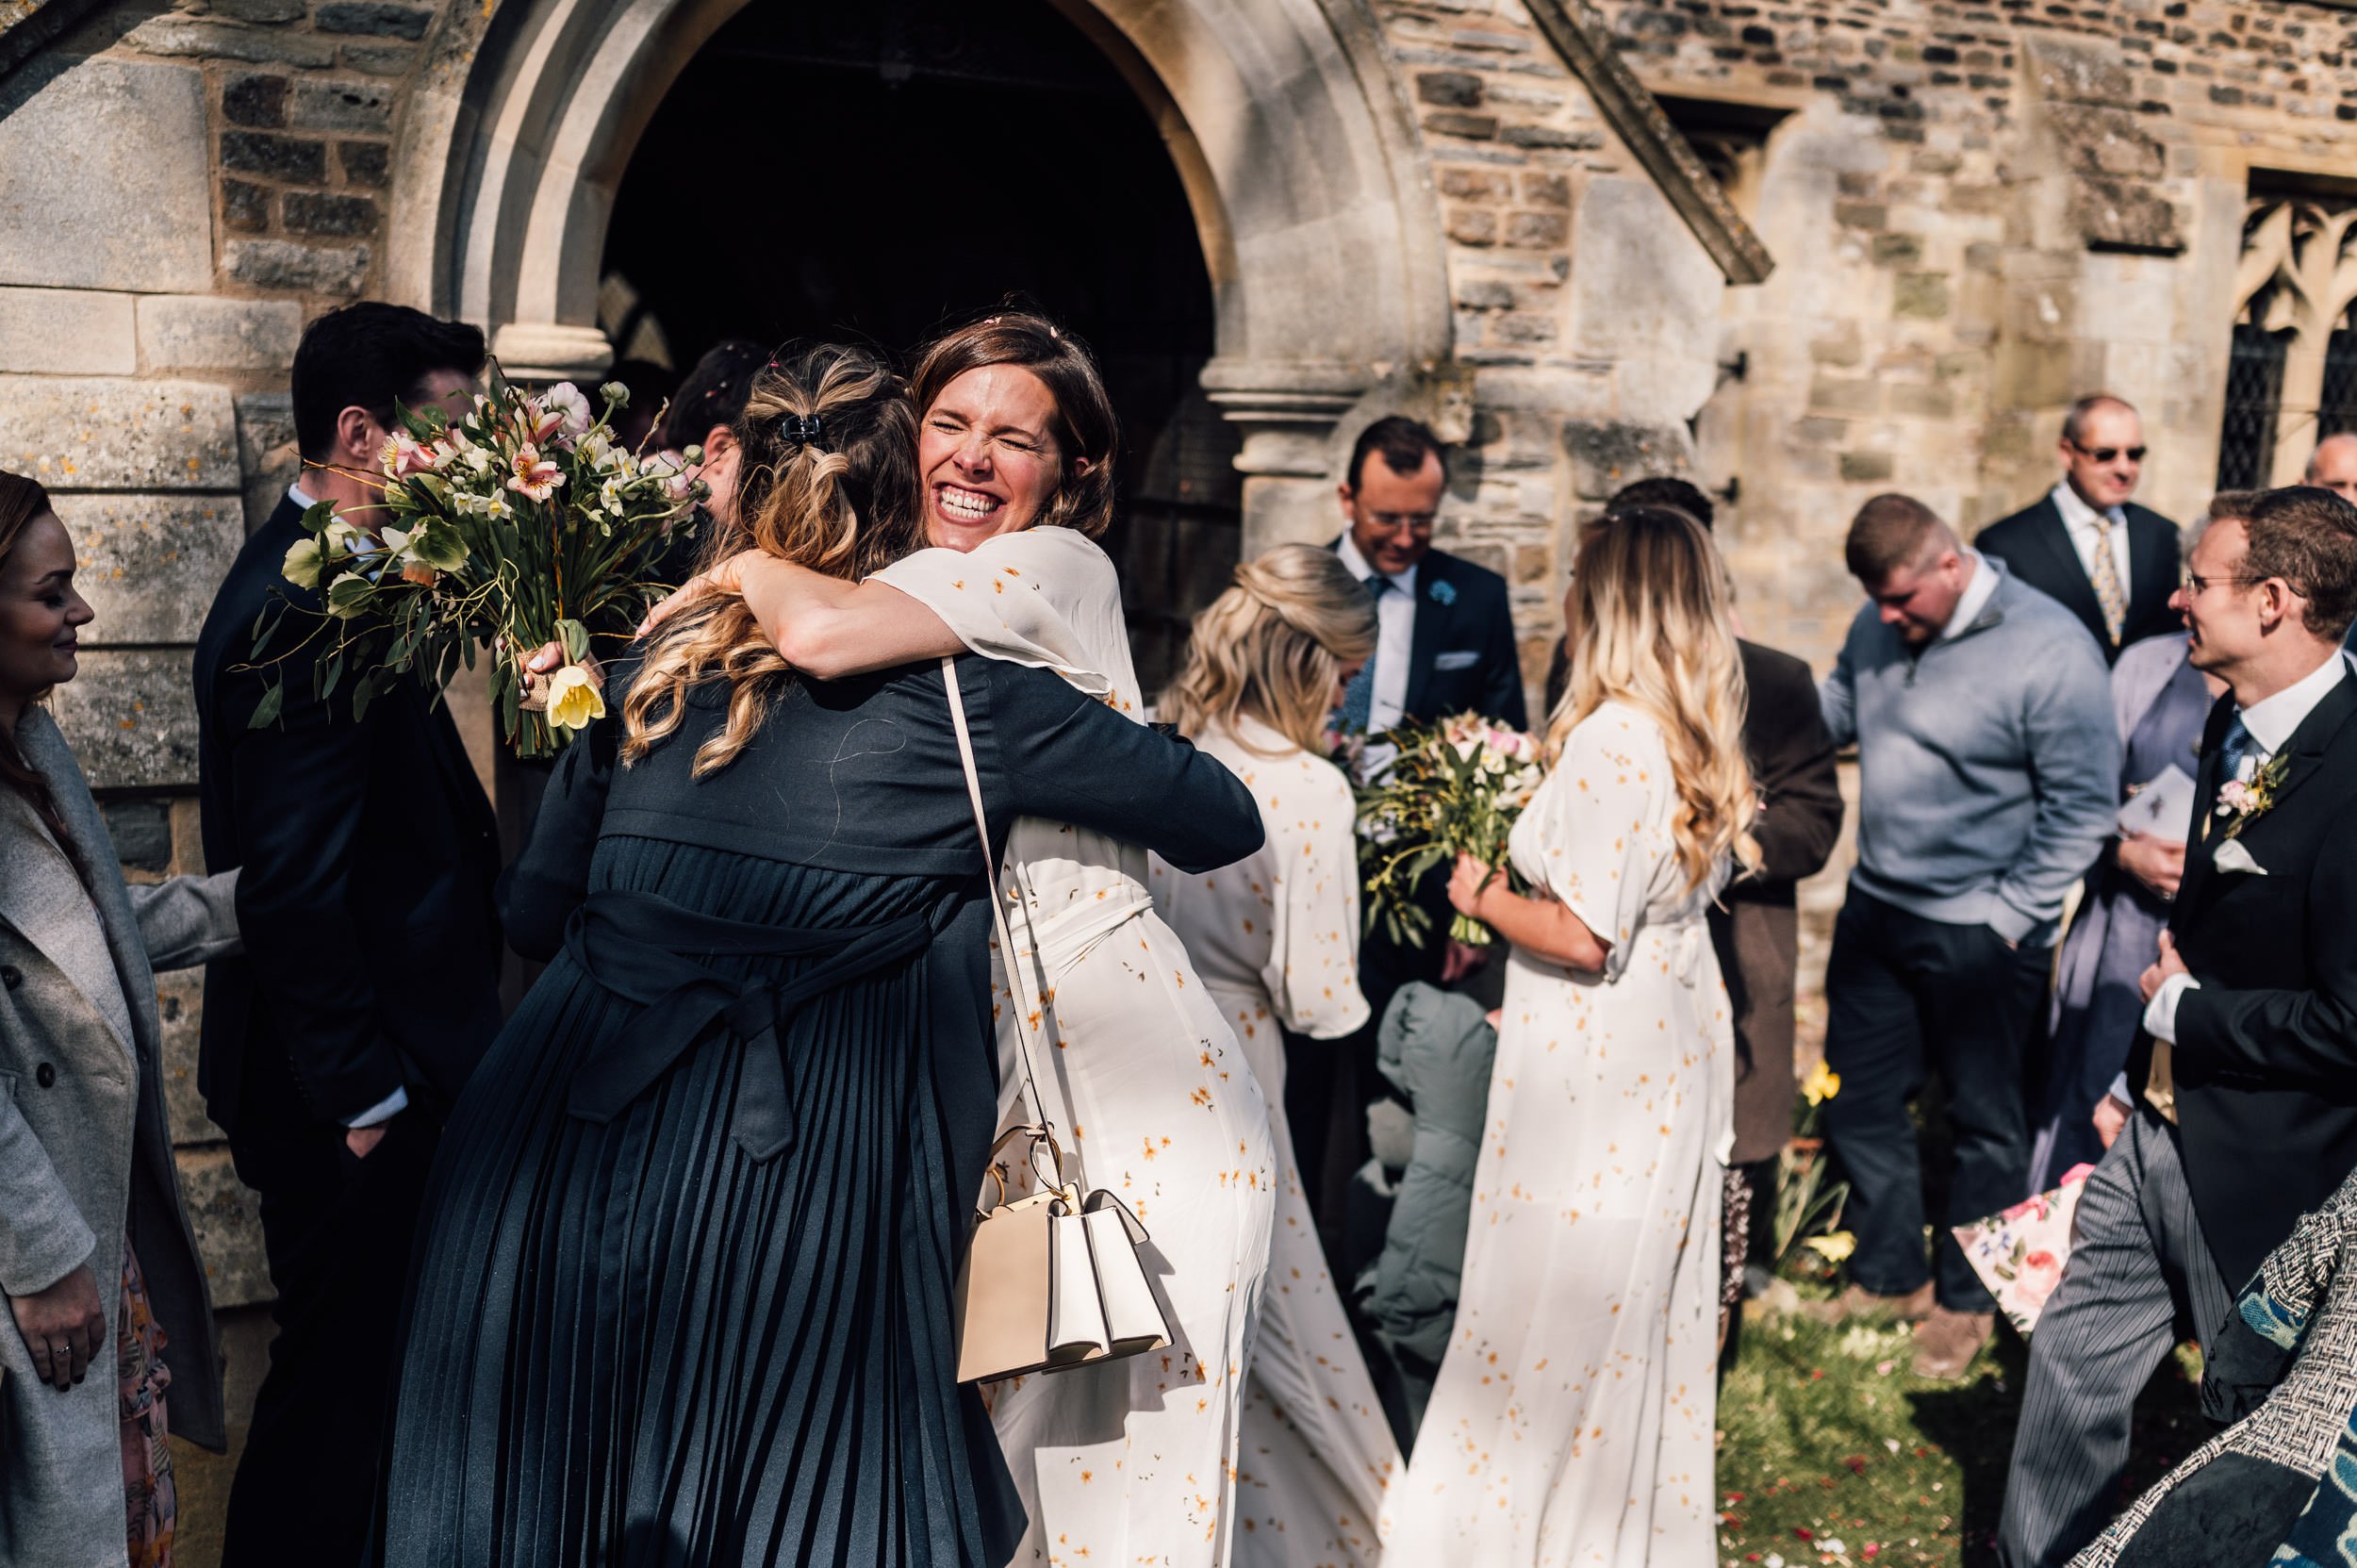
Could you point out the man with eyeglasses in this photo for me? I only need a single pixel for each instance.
(1446, 637)
(2242, 1116)
(1445, 644)
(2110, 562)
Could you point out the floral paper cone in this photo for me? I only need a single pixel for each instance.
(2020, 1254)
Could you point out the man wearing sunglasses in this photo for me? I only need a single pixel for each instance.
(2110, 562)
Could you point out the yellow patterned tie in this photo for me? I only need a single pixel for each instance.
(2107, 591)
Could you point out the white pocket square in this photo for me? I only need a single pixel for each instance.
(1457, 661)
(2232, 856)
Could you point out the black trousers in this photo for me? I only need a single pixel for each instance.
(338, 1231)
(1908, 997)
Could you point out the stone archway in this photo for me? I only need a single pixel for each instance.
(1298, 158)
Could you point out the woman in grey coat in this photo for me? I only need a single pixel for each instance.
(90, 1199)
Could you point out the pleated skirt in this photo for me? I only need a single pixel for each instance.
(633, 1344)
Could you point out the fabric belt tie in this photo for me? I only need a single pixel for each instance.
(684, 1002)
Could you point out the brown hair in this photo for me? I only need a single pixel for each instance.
(1085, 428)
(2307, 535)
(22, 502)
(1891, 532)
(839, 498)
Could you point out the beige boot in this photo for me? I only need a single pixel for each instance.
(1946, 1341)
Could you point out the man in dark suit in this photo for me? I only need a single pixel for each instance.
(1446, 639)
(1444, 645)
(1757, 933)
(2109, 562)
(370, 983)
(2248, 1067)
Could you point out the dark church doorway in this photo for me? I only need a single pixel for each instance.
(873, 171)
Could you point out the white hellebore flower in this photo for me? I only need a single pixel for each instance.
(565, 398)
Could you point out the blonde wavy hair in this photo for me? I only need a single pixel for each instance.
(1648, 624)
(1272, 646)
(840, 499)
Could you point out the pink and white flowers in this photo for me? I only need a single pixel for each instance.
(519, 523)
(531, 475)
(1452, 788)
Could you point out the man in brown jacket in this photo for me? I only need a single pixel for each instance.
(1756, 934)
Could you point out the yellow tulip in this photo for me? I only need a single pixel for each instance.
(574, 700)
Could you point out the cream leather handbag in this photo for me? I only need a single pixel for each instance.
(1052, 1279)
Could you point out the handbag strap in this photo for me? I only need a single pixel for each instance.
(998, 919)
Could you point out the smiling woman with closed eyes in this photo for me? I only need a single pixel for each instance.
(85, 1146)
(1129, 1461)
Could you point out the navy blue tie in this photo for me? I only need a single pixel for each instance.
(1359, 696)
(2238, 746)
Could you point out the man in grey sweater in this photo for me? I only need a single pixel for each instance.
(1989, 769)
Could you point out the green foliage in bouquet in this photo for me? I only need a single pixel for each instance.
(519, 523)
(1454, 787)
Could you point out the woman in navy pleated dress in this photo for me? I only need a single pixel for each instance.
(684, 1280)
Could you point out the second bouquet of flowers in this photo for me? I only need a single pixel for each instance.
(1454, 787)
(519, 523)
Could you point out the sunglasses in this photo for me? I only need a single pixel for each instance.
(2105, 453)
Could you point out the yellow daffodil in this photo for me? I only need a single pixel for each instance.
(1833, 1246)
(574, 698)
(1821, 1084)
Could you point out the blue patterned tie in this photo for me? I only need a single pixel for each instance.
(1358, 696)
(2237, 745)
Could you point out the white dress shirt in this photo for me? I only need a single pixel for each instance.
(1396, 637)
(2080, 521)
(392, 1104)
(1978, 590)
(2270, 723)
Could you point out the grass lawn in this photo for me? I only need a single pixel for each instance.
(1832, 1451)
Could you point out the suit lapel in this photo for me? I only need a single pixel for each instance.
(36, 883)
(2151, 562)
(1432, 631)
(2202, 850)
(2053, 536)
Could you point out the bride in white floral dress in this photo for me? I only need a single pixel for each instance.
(1130, 1461)
(1276, 937)
(1572, 1419)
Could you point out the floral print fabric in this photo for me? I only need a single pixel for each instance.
(1275, 937)
(1582, 1433)
(151, 1510)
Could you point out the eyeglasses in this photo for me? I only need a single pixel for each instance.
(2197, 584)
(1420, 522)
(2105, 453)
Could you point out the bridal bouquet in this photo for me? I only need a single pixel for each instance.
(519, 523)
(1453, 789)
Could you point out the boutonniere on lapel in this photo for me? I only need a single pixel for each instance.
(2239, 800)
(1443, 591)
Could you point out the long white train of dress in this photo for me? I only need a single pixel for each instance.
(1572, 1419)
(1131, 1461)
(1275, 938)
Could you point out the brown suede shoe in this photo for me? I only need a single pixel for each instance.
(1859, 1303)
(1946, 1341)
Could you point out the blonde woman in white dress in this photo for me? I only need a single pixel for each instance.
(1572, 1419)
(1130, 1461)
(1276, 937)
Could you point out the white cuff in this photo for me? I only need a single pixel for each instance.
(382, 1110)
(2120, 1092)
(2160, 1014)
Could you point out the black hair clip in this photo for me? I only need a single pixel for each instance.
(795, 430)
